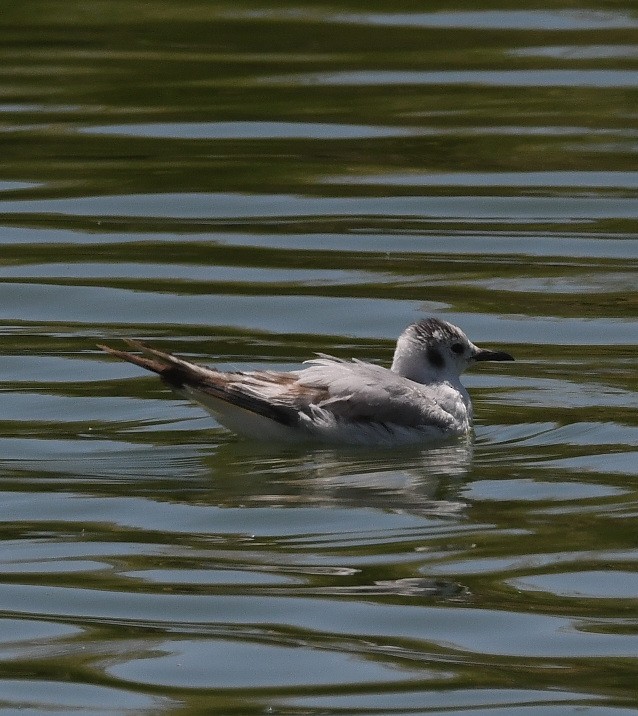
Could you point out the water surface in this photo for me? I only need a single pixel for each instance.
(247, 186)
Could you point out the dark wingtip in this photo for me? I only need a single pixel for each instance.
(156, 366)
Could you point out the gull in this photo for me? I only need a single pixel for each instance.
(419, 399)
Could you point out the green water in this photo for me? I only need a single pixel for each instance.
(247, 184)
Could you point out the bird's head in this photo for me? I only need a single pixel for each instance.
(433, 349)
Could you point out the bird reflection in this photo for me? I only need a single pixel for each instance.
(417, 480)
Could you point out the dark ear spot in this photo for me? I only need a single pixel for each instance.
(435, 357)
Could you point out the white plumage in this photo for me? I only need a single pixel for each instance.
(420, 398)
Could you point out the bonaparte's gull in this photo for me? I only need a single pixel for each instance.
(420, 398)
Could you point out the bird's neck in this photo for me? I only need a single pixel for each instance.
(409, 362)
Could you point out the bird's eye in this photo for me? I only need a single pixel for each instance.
(457, 348)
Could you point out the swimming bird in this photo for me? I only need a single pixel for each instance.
(419, 399)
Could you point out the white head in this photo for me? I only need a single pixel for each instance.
(434, 350)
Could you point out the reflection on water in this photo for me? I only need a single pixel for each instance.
(592, 180)
(483, 19)
(251, 130)
(501, 78)
(405, 479)
(504, 20)
(248, 186)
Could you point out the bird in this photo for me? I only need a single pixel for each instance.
(419, 399)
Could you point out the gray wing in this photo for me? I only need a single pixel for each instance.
(363, 392)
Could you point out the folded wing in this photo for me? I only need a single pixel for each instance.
(203, 384)
(362, 392)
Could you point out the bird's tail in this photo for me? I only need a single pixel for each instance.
(174, 371)
(214, 390)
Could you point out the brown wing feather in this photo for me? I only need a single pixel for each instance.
(187, 377)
